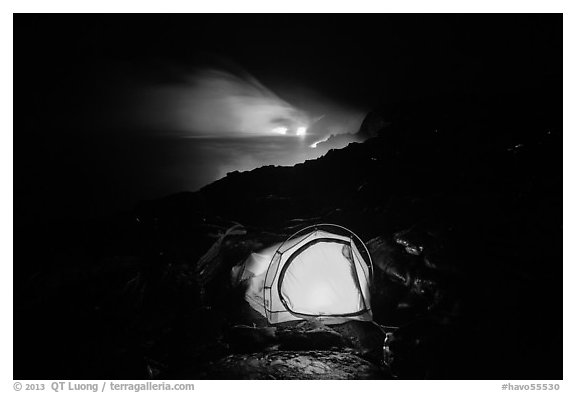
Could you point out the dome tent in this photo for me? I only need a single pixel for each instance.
(322, 272)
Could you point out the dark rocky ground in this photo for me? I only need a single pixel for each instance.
(459, 201)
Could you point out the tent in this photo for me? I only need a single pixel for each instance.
(321, 272)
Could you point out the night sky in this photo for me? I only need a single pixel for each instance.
(114, 109)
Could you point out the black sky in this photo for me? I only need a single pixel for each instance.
(75, 78)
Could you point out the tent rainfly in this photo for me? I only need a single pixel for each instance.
(322, 272)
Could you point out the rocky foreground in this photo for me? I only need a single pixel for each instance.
(296, 365)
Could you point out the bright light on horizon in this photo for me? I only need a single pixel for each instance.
(301, 131)
(280, 130)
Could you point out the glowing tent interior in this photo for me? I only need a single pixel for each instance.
(322, 272)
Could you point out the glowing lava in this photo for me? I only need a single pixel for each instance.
(315, 144)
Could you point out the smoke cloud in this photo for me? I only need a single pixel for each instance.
(218, 103)
(184, 132)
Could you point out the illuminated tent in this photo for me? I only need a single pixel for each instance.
(322, 272)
